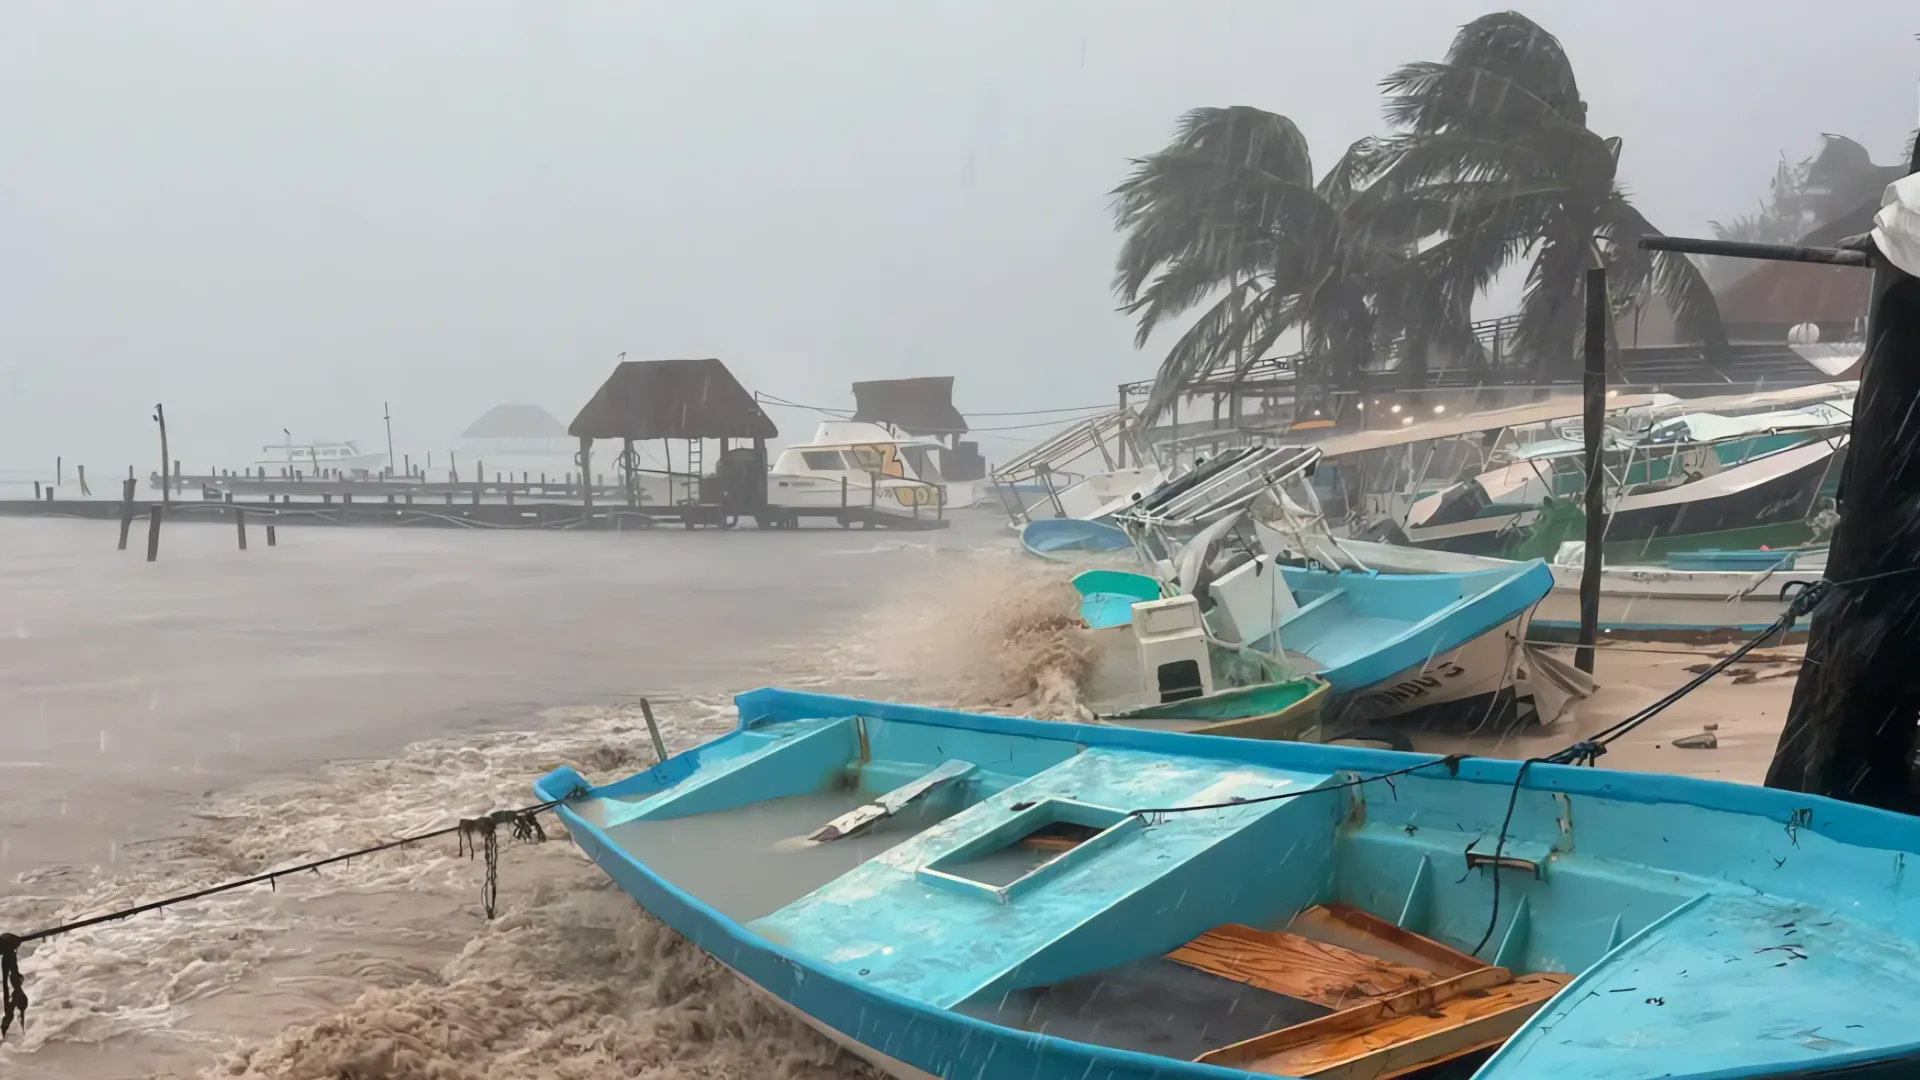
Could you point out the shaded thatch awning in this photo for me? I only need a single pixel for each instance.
(921, 406)
(515, 422)
(672, 399)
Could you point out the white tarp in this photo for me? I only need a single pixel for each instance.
(1896, 228)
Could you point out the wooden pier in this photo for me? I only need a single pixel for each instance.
(414, 503)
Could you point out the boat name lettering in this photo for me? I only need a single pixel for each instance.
(1418, 686)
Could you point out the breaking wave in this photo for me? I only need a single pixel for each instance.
(382, 968)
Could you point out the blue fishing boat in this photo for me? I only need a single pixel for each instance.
(1064, 538)
(982, 897)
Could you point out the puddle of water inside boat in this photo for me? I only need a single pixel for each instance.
(741, 862)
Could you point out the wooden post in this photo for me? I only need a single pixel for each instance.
(59, 472)
(81, 471)
(272, 540)
(1850, 732)
(240, 524)
(126, 509)
(626, 467)
(586, 472)
(36, 491)
(1596, 401)
(153, 532)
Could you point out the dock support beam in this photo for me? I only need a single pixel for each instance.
(586, 478)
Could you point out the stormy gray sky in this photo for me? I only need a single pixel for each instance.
(276, 215)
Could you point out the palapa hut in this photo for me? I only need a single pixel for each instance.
(516, 429)
(690, 400)
(922, 406)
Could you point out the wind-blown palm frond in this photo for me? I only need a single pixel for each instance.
(1496, 133)
(1230, 211)
(1674, 276)
(1528, 66)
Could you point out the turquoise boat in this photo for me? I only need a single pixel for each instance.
(1064, 538)
(982, 897)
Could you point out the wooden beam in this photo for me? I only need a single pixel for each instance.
(1462, 1024)
(1297, 967)
(1363, 931)
(1360, 1018)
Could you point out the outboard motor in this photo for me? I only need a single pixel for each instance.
(741, 474)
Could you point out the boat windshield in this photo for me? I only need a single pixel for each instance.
(825, 460)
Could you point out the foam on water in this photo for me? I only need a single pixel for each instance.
(383, 969)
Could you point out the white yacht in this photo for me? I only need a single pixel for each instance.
(309, 457)
(867, 465)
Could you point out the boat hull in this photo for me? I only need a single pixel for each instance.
(1289, 710)
(1655, 602)
(1636, 880)
(1471, 684)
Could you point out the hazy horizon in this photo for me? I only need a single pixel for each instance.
(281, 216)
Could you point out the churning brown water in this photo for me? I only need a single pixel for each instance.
(217, 714)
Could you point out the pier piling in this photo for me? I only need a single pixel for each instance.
(153, 531)
(126, 509)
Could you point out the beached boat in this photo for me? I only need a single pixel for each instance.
(981, 897)
(1080, 472)
(1691, 596)
(1064, 539)
(1690, 498)
(1288, 709)
(1446, 644)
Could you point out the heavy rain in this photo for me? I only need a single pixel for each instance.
(970, 540)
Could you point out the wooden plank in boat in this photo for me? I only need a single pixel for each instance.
(1351, 928)
(1298, 967)
(1392, 1037)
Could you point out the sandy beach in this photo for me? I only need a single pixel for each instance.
(219, 713)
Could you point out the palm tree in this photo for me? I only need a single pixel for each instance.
(1230, 211)
(1498, 132)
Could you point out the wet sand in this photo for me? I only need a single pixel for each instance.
(1745, 716)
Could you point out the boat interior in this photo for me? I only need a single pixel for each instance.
(1264, 908)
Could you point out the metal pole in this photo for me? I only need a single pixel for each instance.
(653, 730)
(166, 478)
(1596, 402)
(387, 415)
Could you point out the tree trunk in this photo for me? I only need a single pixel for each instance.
(1850, 733)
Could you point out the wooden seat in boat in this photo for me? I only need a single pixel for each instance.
(1401, 1002)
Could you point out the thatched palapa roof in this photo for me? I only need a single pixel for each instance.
(922, 406)
(515, 422)
(672, 399)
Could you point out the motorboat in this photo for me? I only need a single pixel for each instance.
(1081, 472)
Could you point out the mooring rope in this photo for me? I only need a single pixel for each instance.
(479, 835)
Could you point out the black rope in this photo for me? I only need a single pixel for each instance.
(1499, 848)
(522, 825)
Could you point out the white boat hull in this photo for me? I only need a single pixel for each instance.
(901, 498)
(1481, 668)
(892, 1066)
(1653, 601)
